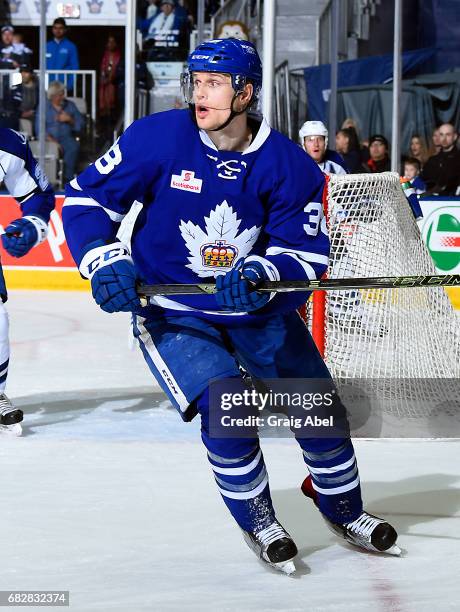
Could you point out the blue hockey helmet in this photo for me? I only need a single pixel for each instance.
(238, 58)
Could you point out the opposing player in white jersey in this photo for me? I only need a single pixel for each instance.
(227, 198)
(313, 138)
(26, 182)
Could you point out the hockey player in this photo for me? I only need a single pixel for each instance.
(224, 197)
(313, 138)
(26, 182)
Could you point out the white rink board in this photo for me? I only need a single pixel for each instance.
(109, 494)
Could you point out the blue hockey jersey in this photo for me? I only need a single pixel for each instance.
(203, 209)
(23, 177)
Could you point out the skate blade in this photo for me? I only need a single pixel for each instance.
(286, 567)
(13, 431)
(393, 550)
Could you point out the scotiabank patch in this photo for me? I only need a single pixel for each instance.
(186, 181)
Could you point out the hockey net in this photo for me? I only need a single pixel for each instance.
(394, 338)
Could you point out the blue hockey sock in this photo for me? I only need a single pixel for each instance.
(240, 474)
(243, 484)
(335, 479)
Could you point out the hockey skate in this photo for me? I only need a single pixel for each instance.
(10, 417)
(367, 531)
(274, 546)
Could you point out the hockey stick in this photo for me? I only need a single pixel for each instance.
(331, 284)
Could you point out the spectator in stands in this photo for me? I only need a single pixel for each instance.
(12, 56)
(435, 146)
(165, 34)
(313, 138)
(61, 53)
(350, 123)
(25, 99)
(107, 82)
(347, 145)
(379, 160)
(163, 20)
(412, 169)
(63, 123)
(442, 171)
(418, 149)
(8, 109)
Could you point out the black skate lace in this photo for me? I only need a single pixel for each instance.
(271, 534)
(364, 525)
(5, 404)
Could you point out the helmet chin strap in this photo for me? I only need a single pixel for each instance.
(233, 113)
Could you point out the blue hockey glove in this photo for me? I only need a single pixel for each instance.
(113, 277)
(23, 234)
(235, 294)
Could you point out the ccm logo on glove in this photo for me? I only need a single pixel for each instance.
(103, 256)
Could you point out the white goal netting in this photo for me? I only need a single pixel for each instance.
(402, 340)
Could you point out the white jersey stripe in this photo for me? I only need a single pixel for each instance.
(73, 201)
(336, 490)
(333, 469)
(245, 494)
(237, 471)
(147, 342)
(309, 271)
(305, 255)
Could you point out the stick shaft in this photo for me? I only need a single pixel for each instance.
(333, 284)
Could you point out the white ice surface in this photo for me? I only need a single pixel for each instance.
(109, 494)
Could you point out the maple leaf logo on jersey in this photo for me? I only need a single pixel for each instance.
(218, 247)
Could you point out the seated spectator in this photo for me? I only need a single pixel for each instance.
(347, 145)
(8, 108)
(412, 168)
(379, 160)
(63, 122)
(350, 123)
(313, 138)
(25, 97)
(442, 171)
(435, 145)
(418, 149)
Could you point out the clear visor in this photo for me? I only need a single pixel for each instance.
(187, 88)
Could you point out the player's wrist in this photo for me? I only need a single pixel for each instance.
(40, 225)
(102, 255)
(261, 267)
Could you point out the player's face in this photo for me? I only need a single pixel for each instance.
(315, 146)
(212, 96)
